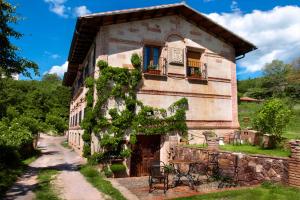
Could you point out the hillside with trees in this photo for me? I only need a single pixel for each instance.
(280, 81)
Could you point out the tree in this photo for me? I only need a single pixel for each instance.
(54, 78)
(10, 61)
(272, 118)
(275, 80)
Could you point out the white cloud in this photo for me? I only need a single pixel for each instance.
(276, 33)
(52, 55)
(58, 7)
(55, 56)
(234, 7)
(81, 10)
(58, 69)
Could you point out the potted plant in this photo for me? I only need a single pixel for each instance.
(118, 170)
(153, 69)
(196, 73)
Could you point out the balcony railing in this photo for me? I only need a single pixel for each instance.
(196, 70)
(158, 69)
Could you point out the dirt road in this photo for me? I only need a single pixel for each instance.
(70, 184)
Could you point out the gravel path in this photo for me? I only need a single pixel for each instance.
(70, 184)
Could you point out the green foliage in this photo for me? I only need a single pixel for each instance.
(57, 122)
(107, 172)
(16, 136)
(96, 158)
(126, 153)
(102, 64)
(116, 168)
(11, 62)
(52, 78)
(96, 179)
(86, 150)
(273, 118)
(279, 80)
(120, 85)
(136, 61)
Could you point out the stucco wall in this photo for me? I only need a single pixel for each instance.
(211, 103)
(211, 106)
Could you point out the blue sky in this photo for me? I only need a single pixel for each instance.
(273, 25)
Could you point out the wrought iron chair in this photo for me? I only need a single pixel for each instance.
(236, 138)
(158, 174)
(197, 170)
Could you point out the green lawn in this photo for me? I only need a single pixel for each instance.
(264, 192)
(249, 149)
(97, 180)
(249, 109)
(45, 190)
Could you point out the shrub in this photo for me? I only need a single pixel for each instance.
(126, 153)
(86, 137)
(95, 158)
(102, 64)
(58, 123)
(107, 172)
(89, 82)
(86, 150)
(32, 124)
(115, 168)
(136, 61)
(272, 118)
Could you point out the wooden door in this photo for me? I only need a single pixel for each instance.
(145, 152)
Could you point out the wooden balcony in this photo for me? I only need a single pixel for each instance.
(158, 69)
(196, 70)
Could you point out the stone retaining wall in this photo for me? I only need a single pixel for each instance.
(245, 169)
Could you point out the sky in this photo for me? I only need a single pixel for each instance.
(272, 25)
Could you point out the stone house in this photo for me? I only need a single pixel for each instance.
(193, 56)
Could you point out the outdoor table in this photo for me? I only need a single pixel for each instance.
(180, 174)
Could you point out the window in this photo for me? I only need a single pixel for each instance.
(151, 57)
(80, 115)
(194, 64)
(76, 117)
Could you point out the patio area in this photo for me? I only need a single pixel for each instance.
(139, 187)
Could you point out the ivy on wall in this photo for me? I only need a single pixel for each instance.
(129, 117)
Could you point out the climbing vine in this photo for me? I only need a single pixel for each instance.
(128, 117)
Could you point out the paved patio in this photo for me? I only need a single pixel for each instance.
(140, 188)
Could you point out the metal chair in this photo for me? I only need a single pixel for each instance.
(197, 170)
(158, 174)
(237, 137)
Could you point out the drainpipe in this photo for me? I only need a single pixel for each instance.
(240, 57)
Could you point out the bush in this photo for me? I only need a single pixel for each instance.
(102, 64)
(116, 168)
(272, 118)
(96, 158)
(126, 153)
(136, 61)
(107, 172)
(86, 137)
(86, 150)
(32, 124)
(58, 123)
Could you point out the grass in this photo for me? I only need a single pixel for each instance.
(9, 174)
(264, 192)
(65, 144)
(97, 180)
(249, 109)
(45, 190)
(249, 149)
